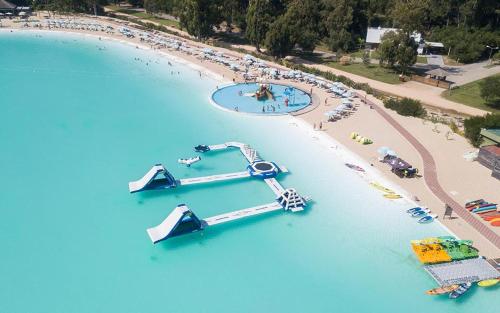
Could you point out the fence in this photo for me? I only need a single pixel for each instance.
(431, 81)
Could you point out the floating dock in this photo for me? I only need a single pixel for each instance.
(182, 220)
(461, 272)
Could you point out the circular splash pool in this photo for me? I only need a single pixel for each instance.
(280, 99)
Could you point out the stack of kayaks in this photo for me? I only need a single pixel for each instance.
(488, 211)
(480, 206)
(422, 214)
(462, 288)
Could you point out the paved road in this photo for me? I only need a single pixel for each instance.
(435, 60)
(431, 179)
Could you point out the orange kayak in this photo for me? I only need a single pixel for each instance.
(442, 290)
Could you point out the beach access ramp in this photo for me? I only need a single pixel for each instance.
(180, 221)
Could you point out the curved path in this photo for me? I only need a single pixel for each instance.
(431, 179)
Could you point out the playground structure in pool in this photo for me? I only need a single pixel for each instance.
(264, 92)
(182, 220)
(261, 98)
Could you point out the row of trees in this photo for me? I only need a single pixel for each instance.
(282, 25)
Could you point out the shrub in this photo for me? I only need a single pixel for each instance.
(406, 107)
(473, 126)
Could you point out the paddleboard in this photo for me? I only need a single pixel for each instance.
(392, 196)
(488, 282)
(380, 187)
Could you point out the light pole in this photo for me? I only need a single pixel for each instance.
(491, 51)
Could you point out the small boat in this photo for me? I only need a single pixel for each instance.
(442, 290)
(189, 161)
(202, 148)
(392, 196)
(380, 187)
(415, 209)
(355, 167)
(427, 219)
(488, 282)
(419, 213)
(460, 290)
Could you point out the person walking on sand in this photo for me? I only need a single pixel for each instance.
(320, 125)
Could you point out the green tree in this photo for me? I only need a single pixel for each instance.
(303, 18)
(406, 54)
(259, 17)
(338, 19)
(199, 17)
(490, 91)
(473, 126)
(388, 48)
(411, 15)
(277, 40)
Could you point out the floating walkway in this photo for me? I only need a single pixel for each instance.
(182, 220)
(461, 272)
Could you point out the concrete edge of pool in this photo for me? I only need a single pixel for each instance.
(306, 108)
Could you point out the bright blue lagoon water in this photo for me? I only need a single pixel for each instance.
(239, 97)
(81, 117)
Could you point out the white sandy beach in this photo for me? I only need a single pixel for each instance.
(462, 180)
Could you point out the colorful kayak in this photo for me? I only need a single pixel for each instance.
(380, 187)
(488, 282)
(488, 208)
(475, 202)
(415, 209)
(471, 207)
(442, 290)
(460, 290)
(490, 217)
(392, 196)
(355, 167)
(427, 219)
(419, 213)
(495, 222)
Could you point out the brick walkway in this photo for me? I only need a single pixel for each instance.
(431, 179)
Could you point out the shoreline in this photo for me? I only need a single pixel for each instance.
(304, 122)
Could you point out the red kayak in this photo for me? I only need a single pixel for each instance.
(491, 217)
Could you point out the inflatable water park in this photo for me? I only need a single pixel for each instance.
(455, 265)
(182, 220)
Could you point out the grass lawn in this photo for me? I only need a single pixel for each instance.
(422, 60)
(145, 16)
(372, 71)
(469, 94)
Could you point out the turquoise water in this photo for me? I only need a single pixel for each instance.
(238, 97)
(81, 117)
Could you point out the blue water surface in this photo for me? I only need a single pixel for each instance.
(239, 97)
(80, 118)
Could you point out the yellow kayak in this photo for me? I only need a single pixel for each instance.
(488, 282)
(380, 187)
(392, 196)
